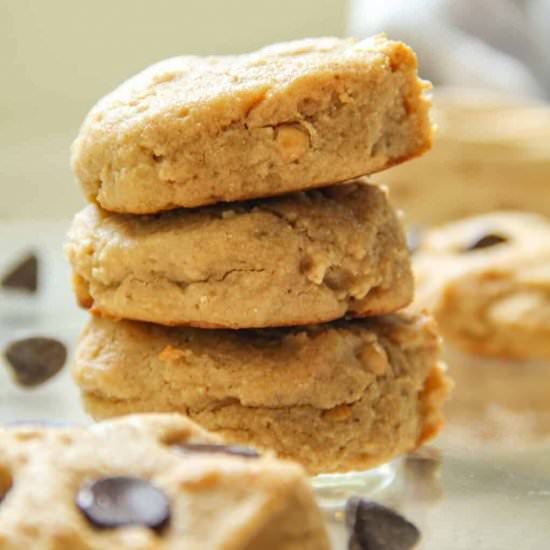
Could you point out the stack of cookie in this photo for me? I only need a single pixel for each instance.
(258, 295)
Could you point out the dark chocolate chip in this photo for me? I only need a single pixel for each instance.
(238, 450)
(23, 276)
(35, 360)
(485, 241)
(119, 501)
(375, 527)
(414, 238)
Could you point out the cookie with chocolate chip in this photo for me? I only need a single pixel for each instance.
(487, 281)
(335, 397)
(148, 481)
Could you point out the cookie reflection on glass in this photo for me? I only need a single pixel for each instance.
(496, 402)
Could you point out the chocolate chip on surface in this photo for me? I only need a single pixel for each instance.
(485, 241)
(376, 527)
(237, 450)
(35, 360)
(119, 501)
(23, 276)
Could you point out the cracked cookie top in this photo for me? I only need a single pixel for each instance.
(299, 259)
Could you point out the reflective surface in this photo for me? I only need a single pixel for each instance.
(333, 490)
(484, 484)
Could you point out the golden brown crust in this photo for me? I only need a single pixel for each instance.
(194, 131)
(299, 259)
(335, 397)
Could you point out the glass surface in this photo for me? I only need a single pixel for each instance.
(333, 490)
(467, 490)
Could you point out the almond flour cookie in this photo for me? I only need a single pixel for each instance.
(191, 131)
(148, 482)
(336, 397)
(298, 259)
(487, 281)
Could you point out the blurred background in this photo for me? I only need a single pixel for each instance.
(59, 57)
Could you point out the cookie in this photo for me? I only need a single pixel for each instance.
(191, 131)
(299, 259)
(148, 481)
(336, 397)
(487, 281)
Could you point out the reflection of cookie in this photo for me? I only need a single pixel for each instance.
(487, 281)
(504, 403)
(191, 131)
(156, 481)
(335, 397)
(299, 259)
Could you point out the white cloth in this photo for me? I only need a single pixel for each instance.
(497, 44)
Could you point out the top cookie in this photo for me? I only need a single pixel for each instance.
(148, 482)
(191, 131)
(487, 281)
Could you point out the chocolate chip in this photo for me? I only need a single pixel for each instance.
(375, 527)
(485, 241)
(414, 238)
(23, 276)
(119, 501)
(238, 450)
(35, 360)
